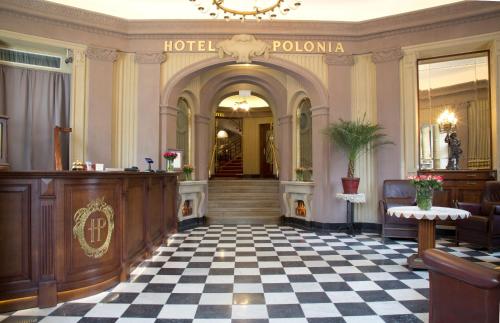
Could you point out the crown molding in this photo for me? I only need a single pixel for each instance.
(467, 11)
(150, 57)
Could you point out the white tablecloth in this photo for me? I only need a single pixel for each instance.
(353, 198)
(442, 213)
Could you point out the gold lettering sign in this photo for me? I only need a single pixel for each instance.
(276, 46)
(101, 216)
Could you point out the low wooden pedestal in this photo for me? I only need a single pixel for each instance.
(426, 240)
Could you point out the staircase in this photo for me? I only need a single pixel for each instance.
(232, 168)
(243, 201)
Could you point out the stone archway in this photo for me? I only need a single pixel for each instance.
(316, 92)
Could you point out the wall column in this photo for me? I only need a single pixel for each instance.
(339, 88)
(203, 146)
(100, 104)
(285, 147)
(168, 126)
(389, 157)
(321, 161)
(79, 108)
(148, 101)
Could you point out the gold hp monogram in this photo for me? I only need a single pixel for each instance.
(95, 228)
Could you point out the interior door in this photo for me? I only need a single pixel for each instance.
(266, 156)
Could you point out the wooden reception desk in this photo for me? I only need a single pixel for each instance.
(66, 235)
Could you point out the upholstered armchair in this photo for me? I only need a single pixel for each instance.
(397, 192)
(483, 227)
(460, 290)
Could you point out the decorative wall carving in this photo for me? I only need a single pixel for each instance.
(243, 47)
(150, 57)
(387, 55)
(336, 59)
(106, 221)
(102, 54)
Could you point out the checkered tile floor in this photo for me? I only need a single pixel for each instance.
(264, 274)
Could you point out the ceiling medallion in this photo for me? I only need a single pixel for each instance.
(237, 9)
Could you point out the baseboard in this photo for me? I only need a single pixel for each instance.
(191, 223)
(331, 227)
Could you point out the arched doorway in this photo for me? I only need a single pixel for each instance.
(273, 79)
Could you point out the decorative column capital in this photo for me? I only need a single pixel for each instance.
(320, 111)
(102, 54)
(169, 110)
(339, 59)
(200, 118)
(150, 57)
(285, 120)
(387, 55)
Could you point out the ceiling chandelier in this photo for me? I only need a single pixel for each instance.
(239, 9)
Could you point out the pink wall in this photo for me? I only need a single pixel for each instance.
(383, 37)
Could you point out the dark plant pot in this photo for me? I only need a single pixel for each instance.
(350, 185)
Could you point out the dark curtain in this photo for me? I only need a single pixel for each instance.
(35, 102)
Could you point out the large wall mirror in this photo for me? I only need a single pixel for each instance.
(454, 114)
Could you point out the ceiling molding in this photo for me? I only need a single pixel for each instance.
(462, 12)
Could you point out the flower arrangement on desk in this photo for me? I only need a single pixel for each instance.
(425, 186)
(170, 156)
(188, 171)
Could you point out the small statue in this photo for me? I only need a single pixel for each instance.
(454, 150)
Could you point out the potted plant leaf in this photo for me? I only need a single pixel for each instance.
(355, 138)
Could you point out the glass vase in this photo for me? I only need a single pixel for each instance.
(188, 176)
(300, 177)
(170, 165)
(424, 198)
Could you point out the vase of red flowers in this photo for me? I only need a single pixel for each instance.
(170, 156)
(425, 186)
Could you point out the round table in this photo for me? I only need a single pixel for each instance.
(426, 227)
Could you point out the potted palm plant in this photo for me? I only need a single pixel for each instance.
(355, 138)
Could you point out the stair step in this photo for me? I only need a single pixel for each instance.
(211, 219)
(243, 196)
(274, 203)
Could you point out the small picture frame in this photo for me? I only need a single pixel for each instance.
(178, 162)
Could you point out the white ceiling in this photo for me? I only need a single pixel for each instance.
(320, 10)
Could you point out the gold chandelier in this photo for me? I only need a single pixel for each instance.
(244, 9)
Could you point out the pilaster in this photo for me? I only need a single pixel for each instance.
(149, 116)
(285, 141)
(100, 104)
(79, 115)
(389, 158)
(204, 149)
(339, 88)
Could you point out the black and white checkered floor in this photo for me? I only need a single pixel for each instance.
(264, 274)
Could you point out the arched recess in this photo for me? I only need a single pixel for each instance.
(269, 87)
(183, 131)
(312, 84)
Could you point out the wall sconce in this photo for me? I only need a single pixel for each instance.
(447, 122)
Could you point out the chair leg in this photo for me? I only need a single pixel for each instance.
(457, 243)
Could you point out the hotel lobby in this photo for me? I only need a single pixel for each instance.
(249, 161)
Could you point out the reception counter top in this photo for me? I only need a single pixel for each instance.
(66, 235)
